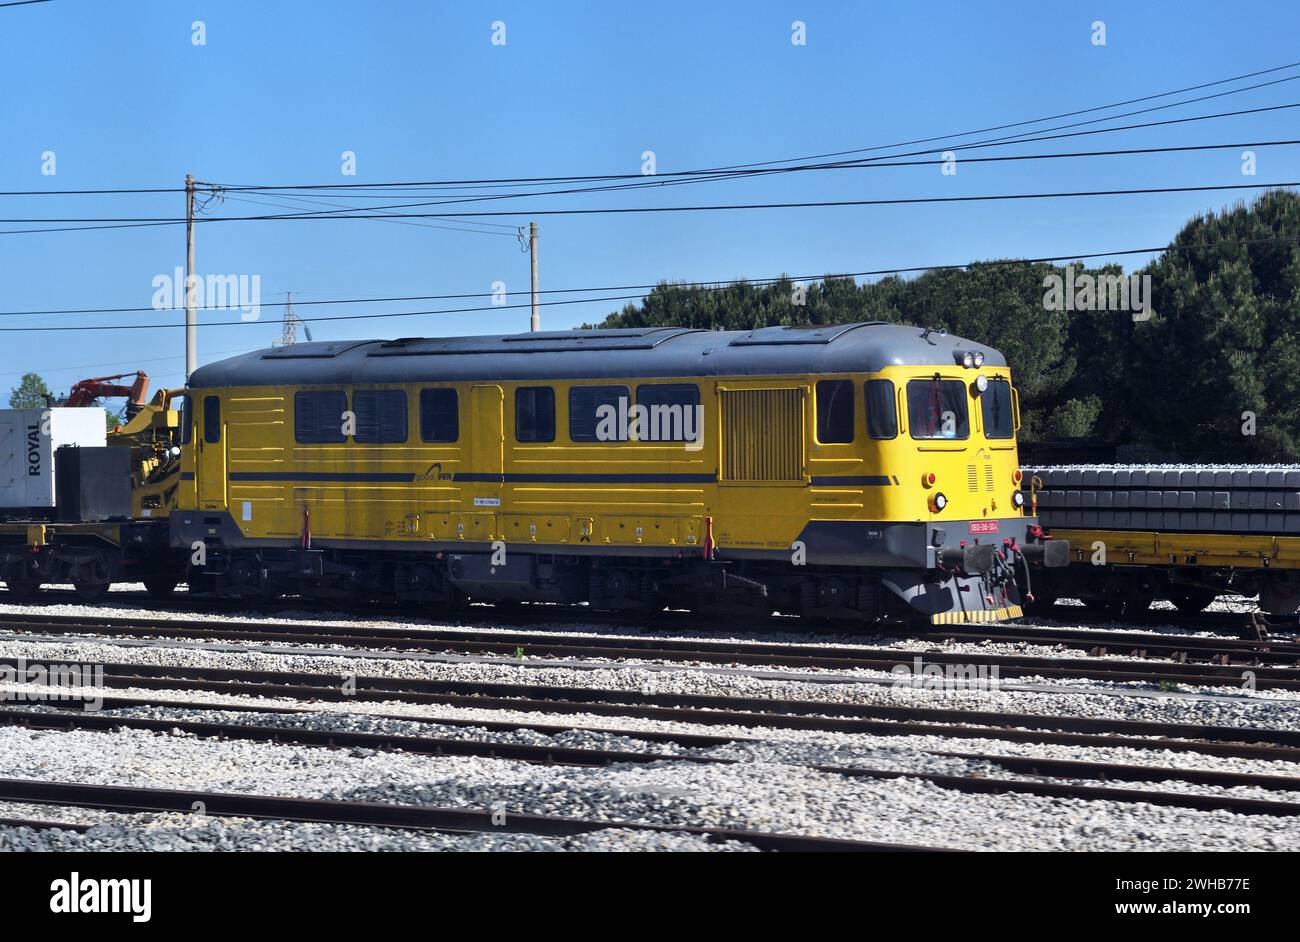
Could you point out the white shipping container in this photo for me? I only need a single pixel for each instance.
(28, 439)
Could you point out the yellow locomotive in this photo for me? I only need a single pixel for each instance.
(854, 470)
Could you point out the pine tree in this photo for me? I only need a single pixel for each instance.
(30, 393)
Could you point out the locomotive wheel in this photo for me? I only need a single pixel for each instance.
(1191, 599)
(160, 587)
(91, 591)
(22, 589)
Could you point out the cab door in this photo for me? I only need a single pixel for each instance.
(487, 444)
(211, 464)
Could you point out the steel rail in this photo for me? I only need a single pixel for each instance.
(598, 757)
(716, 710)
(877, 659)
(128, 799)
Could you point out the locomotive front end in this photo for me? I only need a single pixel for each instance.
(975, 539)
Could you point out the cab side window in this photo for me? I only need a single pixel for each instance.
(882, 409)
(186, 419)
(535, 414)
(439, 415)
(835, 411)
(212, 419)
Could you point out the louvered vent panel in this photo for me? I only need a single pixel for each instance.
(762, 434)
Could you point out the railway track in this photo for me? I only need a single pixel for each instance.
(1141, 645)
(1243, 642)
(592, 758)
(133, 800)
(1240, 624)
(516, 644)
(1234, 624)
(1049, 778)
(705, 709)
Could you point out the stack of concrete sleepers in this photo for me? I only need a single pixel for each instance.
(1169, 498)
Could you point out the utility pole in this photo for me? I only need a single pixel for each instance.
(191, 320)
(535, 324)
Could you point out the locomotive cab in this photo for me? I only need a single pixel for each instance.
(955, 444)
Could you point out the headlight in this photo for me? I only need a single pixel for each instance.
(968, 359)
(979, 358)
(1018, 498)
(981, 383)
(938, 502)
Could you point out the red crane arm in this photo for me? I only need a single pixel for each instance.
(87, 391)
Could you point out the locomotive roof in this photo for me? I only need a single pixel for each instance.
(865, 347)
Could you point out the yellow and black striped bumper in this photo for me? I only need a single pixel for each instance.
(972, 617)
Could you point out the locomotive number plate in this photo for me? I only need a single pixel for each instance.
(983, 526)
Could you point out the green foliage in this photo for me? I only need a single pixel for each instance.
(997, 304)
(30, 393)
(1074, 418)
(1224, 338)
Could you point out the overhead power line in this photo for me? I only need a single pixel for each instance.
(312, 320)
(718, 207)
(714, 283)
(682, 178)
(145, 222)
(874, 164)
(508, 232)
(720, 284)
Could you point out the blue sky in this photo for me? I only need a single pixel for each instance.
(417, 90)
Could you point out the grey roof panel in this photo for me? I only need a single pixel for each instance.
(778, 336)
(623, 353)
(540, 342)
(319, 350)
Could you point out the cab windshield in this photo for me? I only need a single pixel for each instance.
(996, 404)
(936, 409)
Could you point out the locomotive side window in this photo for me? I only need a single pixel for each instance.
(186, 419)
(212, 419)
(882, 413)
(381, 416)
(535, 414)
(439, 415)
(834, 411)
(936, 408)
(672, 412)
(585, 418)
(318, 417)
(999, 422)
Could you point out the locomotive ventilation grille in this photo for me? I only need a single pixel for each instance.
(762, 434)
(973, 478)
